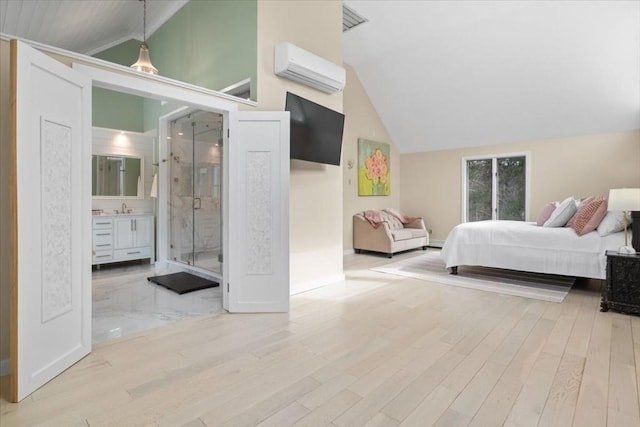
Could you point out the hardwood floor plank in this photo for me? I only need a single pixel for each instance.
(367, 408)
(592, 405)
(329, 410)
(410, 398)
(501, 399)
(431, 408)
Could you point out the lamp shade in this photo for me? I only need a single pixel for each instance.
(144, 61)
(624, 199)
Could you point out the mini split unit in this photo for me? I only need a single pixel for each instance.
(302, 66)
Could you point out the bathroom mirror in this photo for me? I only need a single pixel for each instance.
(117, 176)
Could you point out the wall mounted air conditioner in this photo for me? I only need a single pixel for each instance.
(302, 66)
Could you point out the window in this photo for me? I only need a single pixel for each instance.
(495, 187)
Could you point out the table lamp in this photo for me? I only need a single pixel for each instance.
(625, 200)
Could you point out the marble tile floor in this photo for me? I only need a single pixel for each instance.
(124, 302)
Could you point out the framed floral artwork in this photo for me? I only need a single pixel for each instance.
(374, 175)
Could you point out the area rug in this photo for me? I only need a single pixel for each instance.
(182, 282)
(431, 267)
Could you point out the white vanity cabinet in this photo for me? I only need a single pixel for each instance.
(122, 238)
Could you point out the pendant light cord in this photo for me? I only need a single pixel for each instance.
(144, 21)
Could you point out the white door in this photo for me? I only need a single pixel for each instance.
(51, 256)
(256, 260)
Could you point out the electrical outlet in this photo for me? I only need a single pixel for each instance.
(430, 231)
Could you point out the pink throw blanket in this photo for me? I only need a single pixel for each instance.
(374, 218)
(402, 217)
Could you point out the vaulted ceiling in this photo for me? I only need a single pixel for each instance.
(441, 74)
(448, 74)
(85, 26)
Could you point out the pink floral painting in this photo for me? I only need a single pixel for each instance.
(373, 168)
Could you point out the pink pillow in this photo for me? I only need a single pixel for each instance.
(590, 216)
(546, 212)
(581, 205)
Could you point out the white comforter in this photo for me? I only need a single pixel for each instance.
(523, 246)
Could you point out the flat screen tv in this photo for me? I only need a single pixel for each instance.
(316, 131)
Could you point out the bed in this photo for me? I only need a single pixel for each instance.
(524, 246)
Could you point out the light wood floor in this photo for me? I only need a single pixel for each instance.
(375, 350)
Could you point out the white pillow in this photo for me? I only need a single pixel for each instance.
(563, 213)
(612, 223)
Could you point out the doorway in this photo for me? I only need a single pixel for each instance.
(195, 190)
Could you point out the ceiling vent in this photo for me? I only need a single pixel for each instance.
(351, 18)
(302, 66)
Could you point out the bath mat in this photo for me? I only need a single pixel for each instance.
(182, 282)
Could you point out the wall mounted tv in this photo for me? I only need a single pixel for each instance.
(316, 131)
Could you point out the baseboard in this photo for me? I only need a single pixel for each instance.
(5, 367)
(436, 244)
(348, 252)
(298, 288)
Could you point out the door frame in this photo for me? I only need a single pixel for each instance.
(164, 240)
(122, 79)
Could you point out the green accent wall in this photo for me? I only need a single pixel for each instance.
(208, 43)
(117, 110)
(125, 53)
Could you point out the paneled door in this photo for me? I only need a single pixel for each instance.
(51, 225)
(256, 267)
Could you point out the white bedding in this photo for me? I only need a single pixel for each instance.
(523, 246)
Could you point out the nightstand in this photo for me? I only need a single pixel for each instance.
(622, 288)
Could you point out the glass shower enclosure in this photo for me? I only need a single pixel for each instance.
(195, 190)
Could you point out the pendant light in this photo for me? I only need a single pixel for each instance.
(144, 61)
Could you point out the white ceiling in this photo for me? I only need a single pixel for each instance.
(441, 74)
(448, 74)
(84, 26)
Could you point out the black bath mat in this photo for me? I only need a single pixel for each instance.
(182, 283)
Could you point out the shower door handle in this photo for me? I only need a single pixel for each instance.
(197, 203)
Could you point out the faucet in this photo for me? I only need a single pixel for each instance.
(124, 207)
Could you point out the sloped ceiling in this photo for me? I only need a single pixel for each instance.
(450, 74)
(86, 26)
(441, 74)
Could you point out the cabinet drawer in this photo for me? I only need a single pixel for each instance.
(102, 223)
(102, 239)
(132, 253)
(102, 256)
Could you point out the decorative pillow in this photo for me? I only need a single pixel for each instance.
(590, 216)
(612, 222)
(581, 205)
(546, 212)
(562, 213)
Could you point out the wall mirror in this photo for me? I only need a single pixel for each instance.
(117, 176)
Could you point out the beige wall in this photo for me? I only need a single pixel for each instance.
(578, 166)
(316, 190)
(362, 121)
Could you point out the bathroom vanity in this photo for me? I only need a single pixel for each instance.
(122, 237)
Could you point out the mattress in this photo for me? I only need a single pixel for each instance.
(524, 246)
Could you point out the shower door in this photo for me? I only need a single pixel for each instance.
(195, 190)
